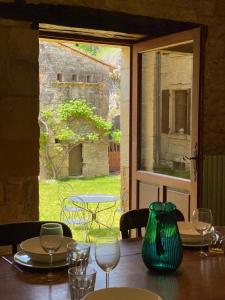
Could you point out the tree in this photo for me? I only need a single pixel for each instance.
(69, 124)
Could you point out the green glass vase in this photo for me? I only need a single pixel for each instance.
(162, 248)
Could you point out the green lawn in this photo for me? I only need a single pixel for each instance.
(50, 203)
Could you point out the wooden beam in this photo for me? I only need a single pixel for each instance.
(82, 17)
(82, 38)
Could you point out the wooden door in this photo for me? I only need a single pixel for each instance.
(75, 161)
(164, 127)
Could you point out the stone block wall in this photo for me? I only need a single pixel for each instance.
(124, 126)
(95, 159)
(56, 59)
(19, 131)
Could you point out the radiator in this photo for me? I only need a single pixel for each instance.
(214, 187)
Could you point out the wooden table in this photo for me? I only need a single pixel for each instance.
(197, 278)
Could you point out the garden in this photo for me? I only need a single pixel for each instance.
(50, 205)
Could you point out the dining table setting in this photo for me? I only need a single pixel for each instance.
(174, 261)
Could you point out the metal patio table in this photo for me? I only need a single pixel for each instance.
(84, 202)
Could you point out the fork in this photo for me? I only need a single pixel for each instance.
(6, 259)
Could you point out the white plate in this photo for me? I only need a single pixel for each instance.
(33, 249)
(122, 293)
(190, 237)
(23, 259)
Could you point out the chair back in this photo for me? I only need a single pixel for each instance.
(133, 219)
(138, 219)
(14, 233)
(64, 190)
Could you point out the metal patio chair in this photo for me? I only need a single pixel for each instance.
(73, 215)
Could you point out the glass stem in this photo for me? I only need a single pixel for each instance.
(107, 279)
(50, 270)
(202, 243)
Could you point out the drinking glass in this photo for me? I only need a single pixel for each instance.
(81, 283)
(202, 222)
(78, 255)
(51, 237)
(107, 253)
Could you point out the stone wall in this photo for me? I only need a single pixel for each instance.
(55, 59)
(19, 131)
(82, 78)
(95, 159)
(176, 74)
(163, 71)
(207, 12)
(124, 126)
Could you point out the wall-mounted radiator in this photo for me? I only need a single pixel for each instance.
(214, 187)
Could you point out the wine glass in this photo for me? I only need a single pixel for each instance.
(51, 237)
(107, 253)
(202, 222)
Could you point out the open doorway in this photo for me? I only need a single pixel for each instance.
(89, 150)
(133, 177)
(75, 161)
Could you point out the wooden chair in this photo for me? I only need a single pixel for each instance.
(138, 219)
(14, 233)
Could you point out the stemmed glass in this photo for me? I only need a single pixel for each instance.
(51, 237)
(202, 221)
(107, 253)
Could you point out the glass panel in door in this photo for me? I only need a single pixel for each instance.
(166, 97)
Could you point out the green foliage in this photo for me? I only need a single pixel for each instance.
(65, 134)
(116, 136)
(97, 51)
(74, 108)
(61, 124)
(42, 140)
(77, 108)
(88, 48)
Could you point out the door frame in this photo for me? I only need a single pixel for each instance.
(200, 31)
(198, 36)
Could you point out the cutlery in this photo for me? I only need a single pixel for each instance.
(6, 259)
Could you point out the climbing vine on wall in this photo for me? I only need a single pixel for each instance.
(66, 126)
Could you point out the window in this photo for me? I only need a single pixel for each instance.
(74, 77)
(175, 113)
(88, 78)
(59, 77)
(182, 112)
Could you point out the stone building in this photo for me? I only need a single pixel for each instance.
(66, 73)
(169, 92)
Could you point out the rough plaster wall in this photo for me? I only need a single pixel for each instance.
(208, 12)
(19, 130)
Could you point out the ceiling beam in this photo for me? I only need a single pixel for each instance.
(83, 17)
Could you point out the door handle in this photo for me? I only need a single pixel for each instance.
(194, 159)
(185, 157)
